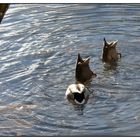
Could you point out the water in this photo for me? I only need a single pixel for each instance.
(39, 47)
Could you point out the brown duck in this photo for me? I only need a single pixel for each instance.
(83, 73)
(110, 53)
(3, 8)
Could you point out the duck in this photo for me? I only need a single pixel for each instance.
(110, 53)
(3, 9)
(77, 94)
(83, 73)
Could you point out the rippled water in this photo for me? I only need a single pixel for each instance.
(38, 50)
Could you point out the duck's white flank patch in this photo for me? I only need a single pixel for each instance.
(79, 88)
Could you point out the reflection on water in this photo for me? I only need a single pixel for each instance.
(38, 54)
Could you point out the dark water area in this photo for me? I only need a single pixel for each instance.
(39, 44)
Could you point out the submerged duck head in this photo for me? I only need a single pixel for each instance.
(77, 94)
(110, 53)
(83, 72)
